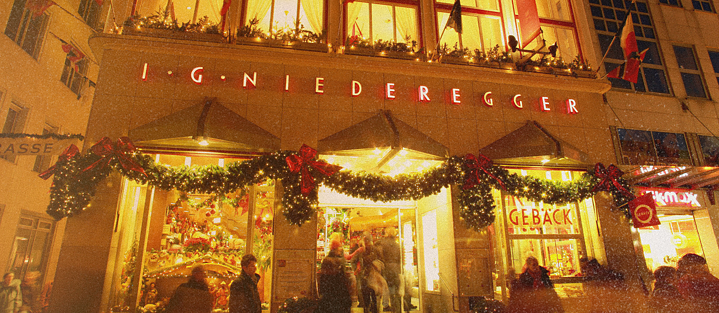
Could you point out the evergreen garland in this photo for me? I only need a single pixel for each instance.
(76, 180)
(45, 136)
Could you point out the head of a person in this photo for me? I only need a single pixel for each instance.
(335, 245)
(664, 275)
(198, 273)
(336, 236)
(249, 264)
(368, 239)
(691, 263)
(591, 268)
(531, 264)
(8, 277)
(390, 232)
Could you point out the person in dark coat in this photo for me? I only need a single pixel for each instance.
(333, 283)
(665, 296)
(244, 296)
(696, 284)
(392, 258)
(193, 296)
(534, 291)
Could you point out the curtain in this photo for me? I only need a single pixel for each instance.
(406, 24)
(313, 10)
(353, 11)
(258, 9)
(470, 33)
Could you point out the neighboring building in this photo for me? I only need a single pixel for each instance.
(41, 92)
(200, 98)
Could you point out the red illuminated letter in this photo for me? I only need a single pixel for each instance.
(319, 84)
(423, 93)
(356, 88)
(390, 90)
(488, 99)
(252, 80)
(545, 104)
(572, 106)
(517, 102)
(455, 96)
(197, 77)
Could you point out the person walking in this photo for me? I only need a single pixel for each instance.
(392, 258)
(193, 296)
(534, 290)
(333, 282)
(10, 294)
(696, 284)
(244, 296)
(370, 280)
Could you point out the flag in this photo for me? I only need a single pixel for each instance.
(455, 17)
(223, 12)
(529, 26)
(628, 39)
(629, 70)
(170, 9)
(38, 7)
(644, 211)
(74, 55)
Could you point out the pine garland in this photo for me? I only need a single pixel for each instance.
(45, 136)
(75, 183)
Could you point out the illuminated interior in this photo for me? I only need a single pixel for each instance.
(664, 244)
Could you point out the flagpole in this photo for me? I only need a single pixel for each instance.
(629, 15)
(439, 41)
(605, 54)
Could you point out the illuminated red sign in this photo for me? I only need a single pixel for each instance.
(540, 217)
(423, 92)
(673, 198)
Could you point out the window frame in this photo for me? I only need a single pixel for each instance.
(246, 22)
(19, 32)
(72, 79)
(34, 229)
(702, 6)
(696, 71)
(91, 17)
(446, 8)
(571, 25)
(612, 62)
(715, 62)
(42, 162)
(392, 3)
(18, 126)
(667, 2)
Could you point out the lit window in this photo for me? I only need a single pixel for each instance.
(89, 10)
(702, 5)
(25, 28)
(481, 25)
(286, 15)
(608, 18)
(384, 21)
(691, 76)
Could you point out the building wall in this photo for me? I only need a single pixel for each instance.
(35, 85)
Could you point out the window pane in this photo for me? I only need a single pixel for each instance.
(564, 39)
(559, 256)
(13, 23)
(671, 148)
(714, 57)
(693, 85)
(406, 19)
(471, 36)
(285, 15)
(554, 9)
(358, 19)
(652, 56)
(450, 38)
(615, 52)
(10, 121)
(260, 10)
(685, 58)
(23, 239)
(710, 150)
(637, 146)
(488, 4)
(491, 32)
(35, 28)
(382, 23)
(656, 82)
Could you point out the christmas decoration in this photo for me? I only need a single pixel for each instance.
(73, 186)
(45, 136)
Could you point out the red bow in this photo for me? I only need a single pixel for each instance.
(120, 150)
(70, 152)
(476, 164)
(303, 161)
(609, 177)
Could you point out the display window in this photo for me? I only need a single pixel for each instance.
(163, 235)
(557, 235)
(665, 243)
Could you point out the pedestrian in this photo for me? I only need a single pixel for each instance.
(10, 294)
(30, 293)
(392, 258)
(193, 296)
(665, 295)
(534, 290)
(334, 285)
(698, 287)
(244, 296)
(370, 279)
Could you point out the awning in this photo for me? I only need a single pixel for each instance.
(664, 176)
(531, 144)
(206, 126)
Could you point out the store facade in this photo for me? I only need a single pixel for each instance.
(364, 114)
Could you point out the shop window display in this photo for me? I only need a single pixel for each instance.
(186, 230)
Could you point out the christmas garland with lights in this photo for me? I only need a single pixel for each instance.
(76, 179)
(45, 136)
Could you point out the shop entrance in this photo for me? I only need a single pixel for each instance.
(676, 236)
(394, 235)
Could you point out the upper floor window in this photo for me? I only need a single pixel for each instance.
(481, 25)
(26, 27)
(702, 5)
(90, 12)
(710, 150)
(608, 17)
(286, 16)
(714, 57)
(691, 76)
(42, 162)
(675, 3)
(14, 123)
(557, 25)
(639, 147)
(73, 73)
(386, 21)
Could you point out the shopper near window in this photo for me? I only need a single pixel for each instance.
(334, 285)
(193, 296)
(665, 296)
(534, 290)
(244, 296)
(696, 284)
(392, 258)
(10, 294)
